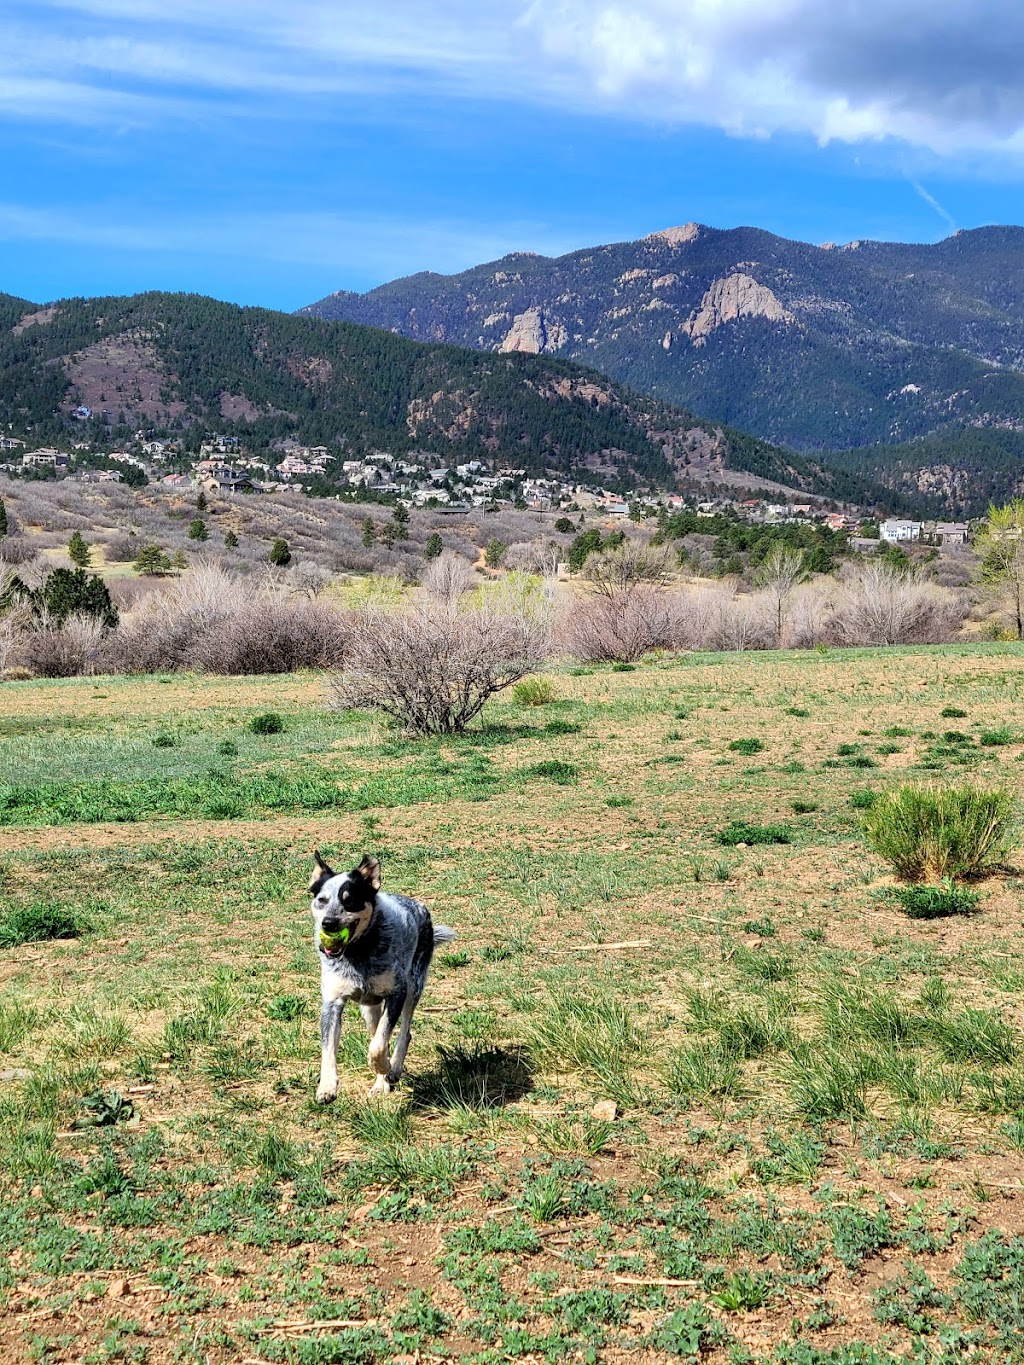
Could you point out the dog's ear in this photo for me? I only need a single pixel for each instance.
(320, 870)
(369, 870)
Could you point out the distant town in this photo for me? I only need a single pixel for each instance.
(223, 466)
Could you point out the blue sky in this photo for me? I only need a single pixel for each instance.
(273, 150)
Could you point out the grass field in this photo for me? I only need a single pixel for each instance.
(811, 1145)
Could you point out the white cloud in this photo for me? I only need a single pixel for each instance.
(935, 74)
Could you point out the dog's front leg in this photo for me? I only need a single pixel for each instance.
(330, 1033)
(380, 1045)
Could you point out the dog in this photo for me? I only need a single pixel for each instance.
(375, 949)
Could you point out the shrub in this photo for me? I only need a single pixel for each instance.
(433, 546)
(37, 922)
(935, 902)
(619, 628)
(880, 605)
(197, 529)
(267, 723)
(433, 667)
(742, 832)
(280, 555)
(447, 577)
(535, 692)
(613, 571)
(67, 650)
(746, 746)
(863, 799)
(939, 831)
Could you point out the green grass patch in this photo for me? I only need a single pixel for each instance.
(743, 832)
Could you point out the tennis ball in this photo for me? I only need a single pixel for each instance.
(332, 942)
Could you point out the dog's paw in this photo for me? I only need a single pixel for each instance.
(327, 1094)
(381, 1086)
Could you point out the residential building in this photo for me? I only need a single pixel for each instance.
(951, 532)
(897, 532)
(10, 443)
(34, 459)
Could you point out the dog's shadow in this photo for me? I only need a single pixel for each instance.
(474, 1077)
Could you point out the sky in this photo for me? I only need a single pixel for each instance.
(271, 151)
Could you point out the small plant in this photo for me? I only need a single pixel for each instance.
(562, 727)
(955, 737)
(898, 732)
(863, 799)
(742, 832)
(164, 742)
(267, 723)
(228, 748)
(286, 1007)
(797, 711)
(38, 922)
(623, 668)
(746, 746)
(940, 832)
(992, 739)
(804, 807)
(565, 774)
(935, 902)
(535, 692)
(952, 713)
(743, 1291)
(847, 750)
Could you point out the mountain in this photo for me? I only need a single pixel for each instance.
(182, 363)
(813, 347)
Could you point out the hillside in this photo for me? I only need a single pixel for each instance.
(815, 348)
(176, 363)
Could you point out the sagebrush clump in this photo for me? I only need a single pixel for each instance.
(937, 832)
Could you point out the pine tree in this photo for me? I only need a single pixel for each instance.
(201, 502)
(152, 560)
(400, 516)
(73, 592)
(197, 529)
(280, 555)
(434, 546)
(3, 517)
(230, 541)
(369, 532)
(78, 550)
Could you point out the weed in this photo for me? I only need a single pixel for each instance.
(555, 770)
(935, 902)
(939, 831)
(562, 727)
(973, 1035)
(584, 1137)
(847, 750)
(742, 832)
(535, 691)
(685, 1332)
(863, 799)
(743, 1291)
(746, 746)
(704, 1068)
(379, 1125)
(897, 732)
(797, 711)
(802, 807)
(599, 1035)
(17, 1022)
(164, 742)
(267, 723)
(286, 1007)
(993, 739)
(38, 921)
(228, 748)
(953, 713)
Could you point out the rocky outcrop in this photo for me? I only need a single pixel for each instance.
(532, 333)
(676, 236)
(729, 299)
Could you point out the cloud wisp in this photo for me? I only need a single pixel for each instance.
(942, 75)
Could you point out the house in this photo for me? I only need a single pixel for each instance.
(897, 532)
(176, 481)
(10, 443)
(226, 480)
(82, 413)
(155, 448)
(34, 459)
(951, 532)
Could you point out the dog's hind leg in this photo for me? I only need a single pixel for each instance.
(330, 1032)
(371, 1017)
(379, 1055)
(402, 1042)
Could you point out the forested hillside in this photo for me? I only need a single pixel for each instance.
(177, 363)
(814, 347)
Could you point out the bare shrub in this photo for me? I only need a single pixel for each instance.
(619, 627)
(748, 621)
(535, 557)
(699, 613)
(879, 605)
(210, 621)
(612, 572)
(64, 651)
(447, 577)
(18, 549)
(433, 667)
(809, 615)
(121, 549)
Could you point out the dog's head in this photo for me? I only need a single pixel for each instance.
(343, 900)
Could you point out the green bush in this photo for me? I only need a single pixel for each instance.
(746, 746)
(742, 832)
(535, 692)
(267, 723)
(37, 922)
(863, 799)
(953, 713)
(994, 738)
(935, 902)
(939, 831)
(565, 774)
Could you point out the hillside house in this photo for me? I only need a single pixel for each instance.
(900, 532)
(950, 532)
(10, 443)
(224, 479)
(36, 459)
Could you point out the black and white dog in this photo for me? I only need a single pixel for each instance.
(374, 949)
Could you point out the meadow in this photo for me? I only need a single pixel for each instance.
(692, 1084)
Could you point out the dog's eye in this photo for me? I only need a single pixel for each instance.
(321, 900)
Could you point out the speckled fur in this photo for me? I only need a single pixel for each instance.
(383, 967)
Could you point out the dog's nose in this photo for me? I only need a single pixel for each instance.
(331, 924)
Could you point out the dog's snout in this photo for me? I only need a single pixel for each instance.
(331, 924)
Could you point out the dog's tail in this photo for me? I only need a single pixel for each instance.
(442, 934)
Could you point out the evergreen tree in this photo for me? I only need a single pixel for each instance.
(369, 532)
(78, 550)
(280, 555)
(387, 534)
(179, 560)
(73, 592)
(3, 517)
(197, 529)
(201, 502)
(152, 561)
(494, 553)
(400, 517)
(433, 547)
(230, 541)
